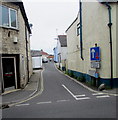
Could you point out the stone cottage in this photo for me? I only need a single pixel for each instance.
(15, 57)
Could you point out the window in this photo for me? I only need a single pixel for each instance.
(5, 16)
(78, 29)
(8, 18)
(13, 18)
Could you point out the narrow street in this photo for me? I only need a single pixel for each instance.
(64, 98)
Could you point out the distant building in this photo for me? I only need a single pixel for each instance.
(44, 54)
(16, 67)
(92, 41)
(55, 55)
(50, 57)
(36, 59)
(60, 52)
(35, 53)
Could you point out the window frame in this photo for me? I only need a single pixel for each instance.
(9, 18)
(2, 16)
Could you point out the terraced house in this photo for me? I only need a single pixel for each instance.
(92, 41)
(16, 65)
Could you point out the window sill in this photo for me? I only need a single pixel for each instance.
(9, 28)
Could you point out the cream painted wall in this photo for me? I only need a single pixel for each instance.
(95, 30)
(72, 50)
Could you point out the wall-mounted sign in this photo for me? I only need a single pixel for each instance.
(95, 64)
(95, 54)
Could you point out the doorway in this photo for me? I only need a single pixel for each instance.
(9, 72)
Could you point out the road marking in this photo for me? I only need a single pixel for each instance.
(98, 93)
(83, 98)
(68, 90)
(80, 95)
(90, 89)
(39, 93)
(75, 96)
(105, 93)
(62, 100)
(22, 105)
(115, 94)
(102, 96)
(33, 93)
(44, 102)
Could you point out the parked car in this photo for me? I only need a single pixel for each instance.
(44, 60)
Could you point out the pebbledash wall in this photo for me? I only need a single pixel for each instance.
(95, 30)
(19, 50)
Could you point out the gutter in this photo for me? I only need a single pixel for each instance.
(27, 52)
(110, 38)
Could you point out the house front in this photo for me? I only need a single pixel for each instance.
(92, 44)
(16, 63)
(60, 52)
(55, 54)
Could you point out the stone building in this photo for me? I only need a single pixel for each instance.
(15, 56)
(94, 34)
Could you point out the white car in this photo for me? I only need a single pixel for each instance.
(44, 60)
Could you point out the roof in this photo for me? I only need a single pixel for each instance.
(63, 40)
(43, 53)
(50, 56)
(35, 53)
(72, 23)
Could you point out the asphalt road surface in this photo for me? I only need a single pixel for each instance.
(64, 98)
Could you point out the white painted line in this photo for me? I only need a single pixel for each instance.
(85, 98)
(115, 94)
(33, 93)
(80, 95)
(62, 100)
(98, 93)
(68, 90)
(76, 81)
(22, 105)
(102, 96)
(44, 102)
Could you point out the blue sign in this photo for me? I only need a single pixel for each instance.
(95, 54)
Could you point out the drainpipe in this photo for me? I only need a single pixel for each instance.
(81, 43)
(110, 35)
(27, 52)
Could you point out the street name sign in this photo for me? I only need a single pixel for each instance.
(95, 54)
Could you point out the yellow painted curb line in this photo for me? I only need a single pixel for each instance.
(10, 91)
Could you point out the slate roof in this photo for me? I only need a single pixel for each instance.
(63, 40)
(35, 53)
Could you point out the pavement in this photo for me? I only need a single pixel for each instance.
(18, 95)
(34, 86)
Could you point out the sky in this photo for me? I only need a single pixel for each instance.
(49, 18)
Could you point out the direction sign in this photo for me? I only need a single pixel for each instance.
(95, 54)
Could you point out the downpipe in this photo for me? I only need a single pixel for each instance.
(110, 35)
(81, 43)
